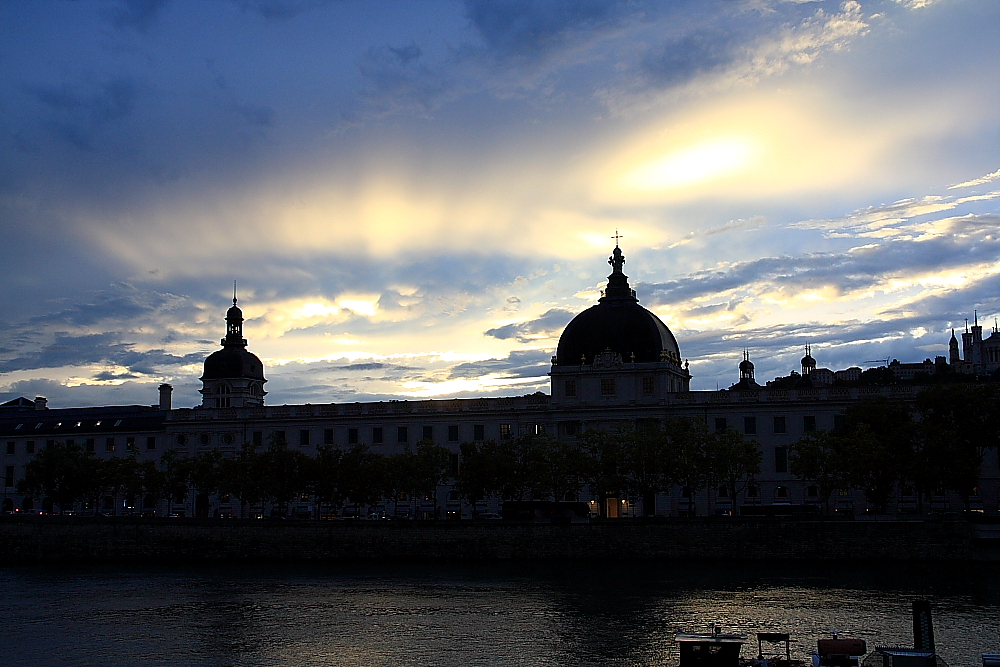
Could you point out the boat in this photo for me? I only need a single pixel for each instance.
(710, 649)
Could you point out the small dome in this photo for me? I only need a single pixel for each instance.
(746, 365)
(234, 313)
(231, 363)
(808, 361)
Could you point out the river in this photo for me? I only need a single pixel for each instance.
(460, 614)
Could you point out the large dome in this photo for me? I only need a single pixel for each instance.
(617, 323)
(231, 363)
(623, 327)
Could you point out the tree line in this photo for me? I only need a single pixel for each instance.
(633, 461)
(935, 444)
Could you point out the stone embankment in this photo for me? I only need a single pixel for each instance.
(97, 539)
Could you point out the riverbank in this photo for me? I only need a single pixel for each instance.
(98, 539)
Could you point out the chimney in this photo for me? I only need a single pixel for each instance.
(41, 403)
(165, 391)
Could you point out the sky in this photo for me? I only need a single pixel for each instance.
(416, 197)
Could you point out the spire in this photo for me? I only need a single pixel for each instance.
(234, 292)
(618, 287)
(234, 325)
(976, 314)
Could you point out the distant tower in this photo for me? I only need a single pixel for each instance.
(233, 377)
(808, 363)
(746, 368)
(953, 358)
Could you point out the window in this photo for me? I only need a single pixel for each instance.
(751, 491)
(570, 428)
(570, 386)
(781, 492)
(479, 432)
(258, 438)
(29, 447)
(130, 443)
(9, 476)
(505, 431)
(377, 435)
(401, 434)
(720, 423)
(780, 459)
(11, 447)
(453, 433)
(838, 422)
(150, 443)
(304, 437)
(279, 438)
(181, 439)
(608, 387)
(227, 438)
(809, 423)
(648, 386)
(328, 436)
(427, 433)
(750, 425)
(109, 445)
(352, 436)
(90, 444)
(205, 438)
(779, 424)
(723, 492)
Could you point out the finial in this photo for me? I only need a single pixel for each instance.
(976, 312)
(616, 237)
(234, 292)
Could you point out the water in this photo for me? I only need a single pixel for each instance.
(375, 614)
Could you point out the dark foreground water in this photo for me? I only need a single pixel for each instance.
(607, 613)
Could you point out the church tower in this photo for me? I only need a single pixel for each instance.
(953, 357)
(233, 377)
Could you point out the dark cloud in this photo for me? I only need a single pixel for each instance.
(69, 350)
(282, 10)
(138, 15)
(77, 113)
(550, 323)
(397, 80)
(974, 241)
(129, 392)
(531, 29)
(519, 363)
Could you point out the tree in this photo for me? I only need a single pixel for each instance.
(364, 476)
(647, 463)
(959, 424)
(606, 469)
(176, 470)
(327, 479)
(688, 443)
(243, 477)
(59, 473)
(204, 477)
(732, 461)
(816, 458)
(287, 474)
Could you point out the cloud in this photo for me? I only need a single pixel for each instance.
(77, 113)
(98, 348)
(139, 15)
(282, 10)
(519, 363)
(396, 80)
(988, 178)
(546, 326)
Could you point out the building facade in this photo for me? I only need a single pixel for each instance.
(616, 364)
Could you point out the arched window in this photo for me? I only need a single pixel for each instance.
(781, 492)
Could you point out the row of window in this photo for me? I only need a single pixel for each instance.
(89, 444)
(779, 425)
(609, 388)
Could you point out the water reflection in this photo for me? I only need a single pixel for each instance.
(607, 613)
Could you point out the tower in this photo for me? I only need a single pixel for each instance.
(233, 377)
(808, 363)
(953, 357)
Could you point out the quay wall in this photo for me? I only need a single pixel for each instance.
(85, 539)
